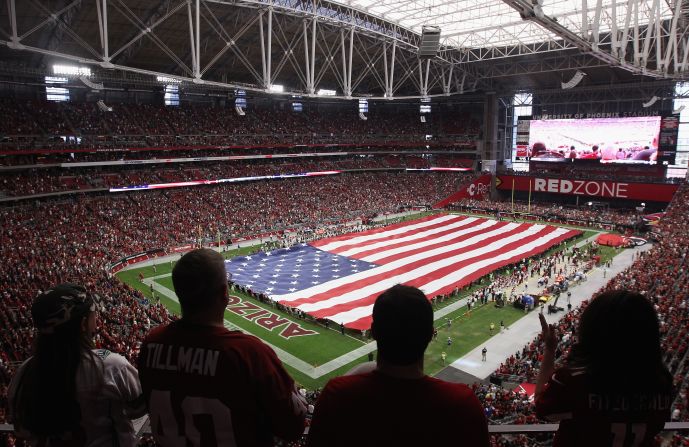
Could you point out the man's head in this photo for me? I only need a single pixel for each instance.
(402, 324)
(200, 281)
(537, 149)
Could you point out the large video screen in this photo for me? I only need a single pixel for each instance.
(609, 140)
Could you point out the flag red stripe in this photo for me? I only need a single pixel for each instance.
(348, 287)
(319, 243)
(428, 238)
(365, 322)
(460, 238)
(393, 237)
(439, 273)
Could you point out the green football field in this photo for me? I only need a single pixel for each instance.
(313, 353)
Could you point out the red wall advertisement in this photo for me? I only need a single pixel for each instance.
(588, 188)
(475, 190)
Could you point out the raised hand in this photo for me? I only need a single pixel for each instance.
(549, 334)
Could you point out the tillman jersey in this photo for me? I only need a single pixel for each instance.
(595, 419)
(208, 386)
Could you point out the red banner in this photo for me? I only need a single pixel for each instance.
(475, 190)
(588, 188)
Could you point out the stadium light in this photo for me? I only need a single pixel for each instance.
(326, 92)
(276, 88)
(71, 70)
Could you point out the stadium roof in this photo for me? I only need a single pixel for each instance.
(491, 23)
(358, 48)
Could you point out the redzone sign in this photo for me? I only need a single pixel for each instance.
(589, 188)
(582, 187)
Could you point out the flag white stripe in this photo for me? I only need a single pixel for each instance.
(410, 238)
(448, 237)
(425, 269)
(365, 311)
(321, 288)
(369, 237)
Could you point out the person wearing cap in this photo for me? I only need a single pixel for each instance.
(404, 406)
(68, 393)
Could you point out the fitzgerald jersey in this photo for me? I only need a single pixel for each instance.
(594, 419)
(208, 386)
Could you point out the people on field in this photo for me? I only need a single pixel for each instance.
(404, 406)
(207, 385)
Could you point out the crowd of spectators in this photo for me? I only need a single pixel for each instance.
(133, 155)
(43, 125)
(554, 212)
(660, 274)
(44, 243)
(37, 181)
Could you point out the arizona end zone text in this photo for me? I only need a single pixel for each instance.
(582, 187)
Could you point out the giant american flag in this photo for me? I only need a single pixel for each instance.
(339, 278)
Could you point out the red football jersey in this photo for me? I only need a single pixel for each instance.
(206, 385)
(595, 419)
(378, 410)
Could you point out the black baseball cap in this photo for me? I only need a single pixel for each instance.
(61, 304)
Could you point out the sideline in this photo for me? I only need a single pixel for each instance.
(506, 343)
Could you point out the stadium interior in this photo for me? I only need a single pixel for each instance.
(134, 131)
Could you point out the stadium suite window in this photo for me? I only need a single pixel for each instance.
(240, 98)
(521, 106)
(172, 95)
(682, 100)
(54, 91)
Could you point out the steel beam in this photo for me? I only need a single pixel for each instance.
(389, 92)
(307, 59)
(197, 30)
(312, 90)
(263, 51)
(348, 93)
(269, 55)
(12, 11)
(192, 41)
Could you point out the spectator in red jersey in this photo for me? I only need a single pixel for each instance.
(599, 397)
(647, 154)
(69, 393)
(593, 155)
(207, 385)
(538, 149)
(403, 406)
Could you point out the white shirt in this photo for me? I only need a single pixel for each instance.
(106, 414)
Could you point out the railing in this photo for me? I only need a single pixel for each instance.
(494, 429)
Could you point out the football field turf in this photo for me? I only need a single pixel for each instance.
(313, 353)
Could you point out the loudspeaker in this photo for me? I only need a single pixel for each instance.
(430, 40)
